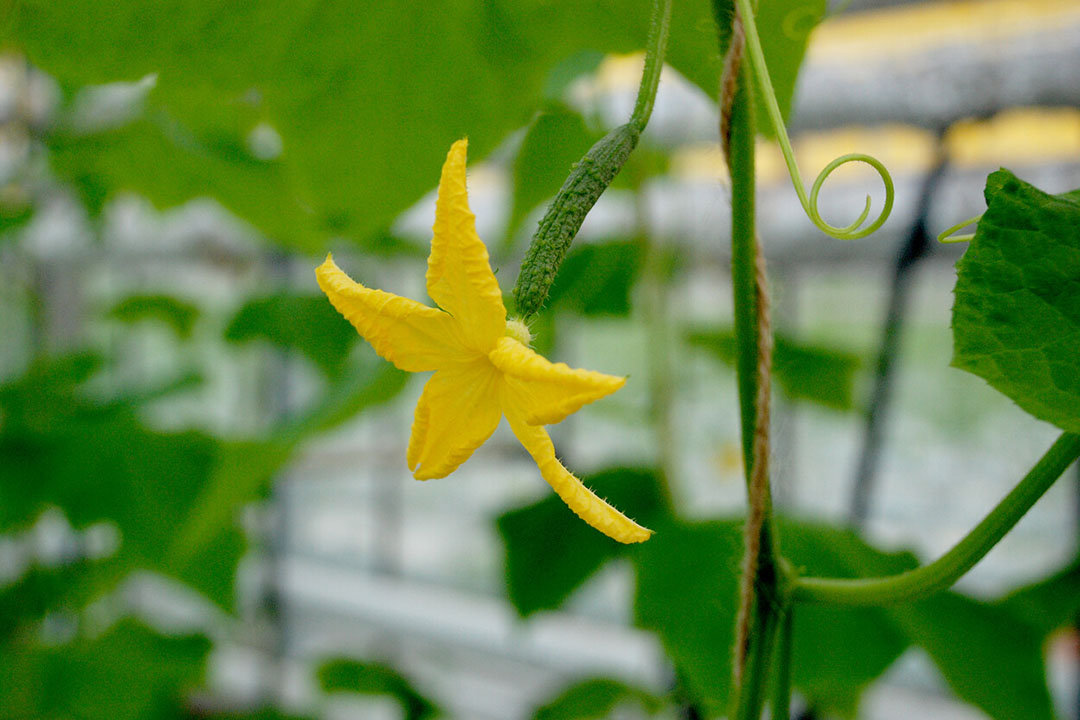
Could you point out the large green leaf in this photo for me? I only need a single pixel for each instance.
(550, 552)
(687, 592)
(368, 678)
(173, 496)
(356, 104)
(838, 651)
(1016, 320)
(130, 673)
(813, 373)
(595, 699)
(986, 653)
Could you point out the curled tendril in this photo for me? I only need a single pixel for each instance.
(809, 203)
(852, 231)
(949, 235)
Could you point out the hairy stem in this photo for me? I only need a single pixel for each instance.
(756, 619)
(950, 567)
(655, 48)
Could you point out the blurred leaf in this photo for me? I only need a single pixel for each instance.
(814, 373)
(596, 698)
(263, 713)
(178, 314)
(989, 657)
(597, 279)
(1016, 319)
(42, 590)
(1051, 603)
(13, 217)
(343, 675)
(838, 651)
(687, 576)
(550, 552)
(130, 673)
(306, 323)
(244, 469)
(555, 140)
(560, 77)
(328, 120)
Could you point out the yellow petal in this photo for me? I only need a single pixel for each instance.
(459, 276)
(542, 392)
(585, 504)
(414, 337)
(457, 412)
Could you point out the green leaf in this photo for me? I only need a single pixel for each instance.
(13, 217)
(596, 698)
(244, 469)
(687, 592)
(804, 372)
(555, 140)
(688, 589)
(359, 114)
(42, 590)
(550, 552)
(172, 496)
(838, 651)
(597, 279)
(367, 678)
(130, 673)
(1051, 603)
(1016, 319)
(987, 654)
(177, 314)
(308, 324)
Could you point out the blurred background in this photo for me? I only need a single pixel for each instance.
(204, 504)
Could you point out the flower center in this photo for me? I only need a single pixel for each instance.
(519, 331)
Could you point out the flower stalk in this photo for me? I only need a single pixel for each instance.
(589, 178)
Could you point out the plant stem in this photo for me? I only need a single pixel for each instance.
(751, 694)
(655, 48)
(781, 698)
(757, 606)
(950, 567)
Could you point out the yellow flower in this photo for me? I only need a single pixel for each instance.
(483, 366)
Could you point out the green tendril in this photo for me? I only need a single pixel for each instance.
(809, 202)
(948, 235)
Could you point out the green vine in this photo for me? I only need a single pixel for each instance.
(950, 567)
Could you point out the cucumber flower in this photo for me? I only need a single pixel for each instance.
(484, 368)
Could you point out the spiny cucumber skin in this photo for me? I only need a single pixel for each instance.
(587, 181)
